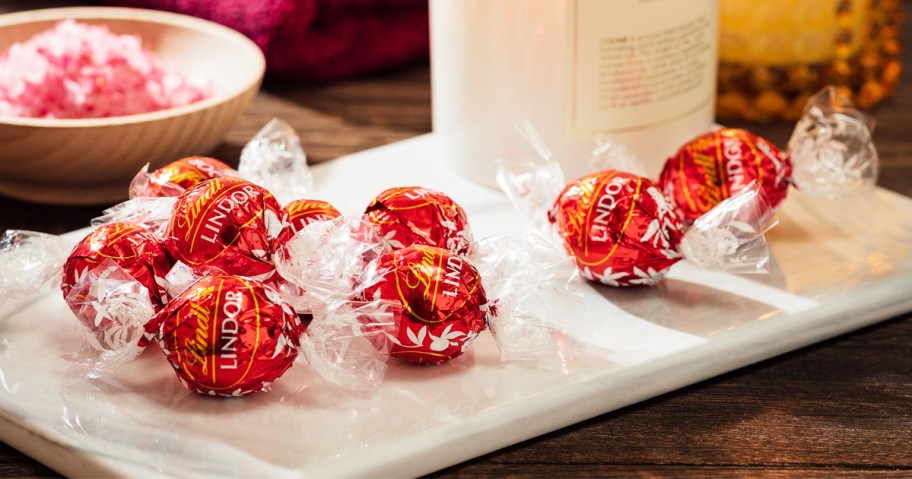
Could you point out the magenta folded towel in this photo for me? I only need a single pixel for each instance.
(318, 39)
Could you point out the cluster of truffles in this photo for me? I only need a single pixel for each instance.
(232, 330)
(231, 283)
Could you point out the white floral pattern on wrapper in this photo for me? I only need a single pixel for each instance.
(447, 338)
(665, 220)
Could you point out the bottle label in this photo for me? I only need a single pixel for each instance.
(640, 63)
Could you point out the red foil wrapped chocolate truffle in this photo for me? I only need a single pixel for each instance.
(227, 336)
(719, 164)
(444, 306)
(131, 247)
(225, 225)
(300, 213)
(619, 228)
(415, 215)
(175, 177)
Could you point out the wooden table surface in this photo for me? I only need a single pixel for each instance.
(841, 408)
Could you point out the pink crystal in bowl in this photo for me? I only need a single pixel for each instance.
(92, 160)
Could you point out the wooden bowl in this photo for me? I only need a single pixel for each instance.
(91, 161)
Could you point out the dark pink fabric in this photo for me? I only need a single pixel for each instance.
(318, 39)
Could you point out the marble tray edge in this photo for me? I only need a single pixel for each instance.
(416, 456)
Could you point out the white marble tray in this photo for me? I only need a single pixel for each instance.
(838, 266)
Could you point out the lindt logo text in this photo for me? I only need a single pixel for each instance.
(423, 273)
(194, 209)
(230, 327)
(199, 346)
(416, 194)
(453, 272)
(425, 276)
(604, 208)
(710, 195)
(734, 167)
(420, 279)
(224, 205)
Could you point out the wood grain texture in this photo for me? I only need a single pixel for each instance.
(838, 409)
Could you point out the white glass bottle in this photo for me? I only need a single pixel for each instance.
(638, 72)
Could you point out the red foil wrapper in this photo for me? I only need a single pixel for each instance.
(175, 177)
(444, 306)
(619, 228)
(225, 225)
(300, 213)
(132, 247)
(415, 215)
(715, 166)
(227, 336)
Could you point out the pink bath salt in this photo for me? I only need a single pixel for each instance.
(77, 70)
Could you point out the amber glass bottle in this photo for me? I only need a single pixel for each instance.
(774, 54)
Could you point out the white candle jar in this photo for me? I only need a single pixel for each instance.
(637, 72)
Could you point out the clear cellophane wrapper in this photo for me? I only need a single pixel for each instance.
(152, 213)
(32, 263)
(331, 262)
(731, 237)
(611, 155)
(535, 292)
(113, 305)
(140, 186)
(275, 160)
(119, 307)
(832, 149)
(117, 304)
(728, 238)
(531, 179)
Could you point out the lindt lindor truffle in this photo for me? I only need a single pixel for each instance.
(303, 212)
(416, 215)
(300, 213)
(225, 225)
(227, 336)
(719, 164)
(103, 273)
(619, 228)
(423, 303)
(175, 177)
(444, 306)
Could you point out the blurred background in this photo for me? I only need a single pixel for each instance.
(361, 68)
